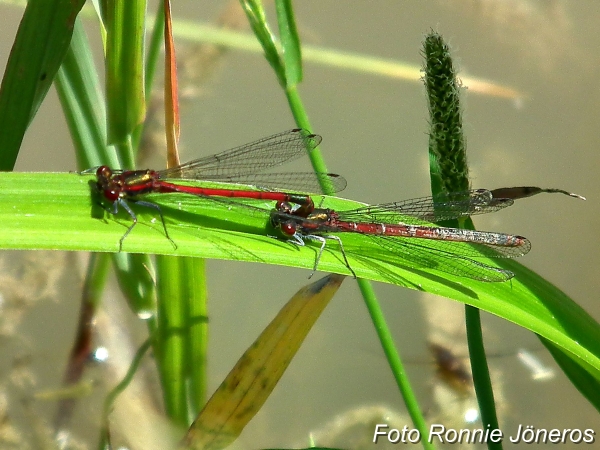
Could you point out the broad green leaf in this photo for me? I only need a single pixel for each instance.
(56, 211)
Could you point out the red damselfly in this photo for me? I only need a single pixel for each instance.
(240, 165)
(405, 229)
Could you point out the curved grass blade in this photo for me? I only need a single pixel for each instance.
(40, 45)
(54, 211)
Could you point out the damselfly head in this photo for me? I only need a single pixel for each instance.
(283, 222)
(103, 173)
(288, 228)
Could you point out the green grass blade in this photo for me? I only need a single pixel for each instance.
(194, 286)
(125, 28)
(258, 21)
(154, 51)
(56, 211)
(82, 100)
(39, 48)
(482, 381)
(171, 341)
(588, 385)
(290, 42)
(182, 335)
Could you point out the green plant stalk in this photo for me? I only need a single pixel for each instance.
(256, 16)
(154, 49)
(194, 286)
(183, 335)
(125, 153)
(301, 118)
(450, 173)
(172, 359)
(479, 367)
(184, 383)
(365, 286)
(394, 361)
(125, 29)
(190, 298)
(481, 373)
(258, 22)
(290, 42)
(133, 271)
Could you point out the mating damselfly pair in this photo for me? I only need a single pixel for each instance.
(403, 228)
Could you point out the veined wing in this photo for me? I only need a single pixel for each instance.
(291, 181)
(449, 257)
(430, 209)
(249, 158)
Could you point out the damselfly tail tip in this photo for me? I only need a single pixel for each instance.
(524, 245)
(560, 191)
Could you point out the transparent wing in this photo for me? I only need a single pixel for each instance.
(291, 181)
(448, 257)
(430, 209)
(247, 159)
